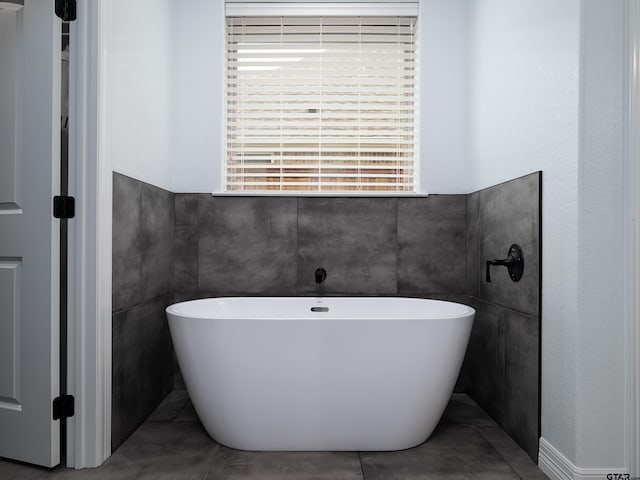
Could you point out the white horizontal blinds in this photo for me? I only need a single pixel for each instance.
(321, 103)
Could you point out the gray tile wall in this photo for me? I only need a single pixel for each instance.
(501, 369)
(431, 245)
(428, 247)
(272, 246)
(143, 276)
(354, 239)
(246, 246)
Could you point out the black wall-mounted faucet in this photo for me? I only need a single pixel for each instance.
(320, 274)
(514, 263)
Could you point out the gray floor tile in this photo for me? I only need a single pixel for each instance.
(170, 407)
(461, 410)
(452, 452)
(240, 465)
(465, 446)
(512, 454)
(17, 471)
(106, 471)
(156, 450)
(188, 414)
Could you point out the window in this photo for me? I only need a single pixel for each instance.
(321, 103)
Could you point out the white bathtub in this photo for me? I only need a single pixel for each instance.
(368, 374)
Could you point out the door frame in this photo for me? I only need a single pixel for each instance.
(90, 182)
(632, 240)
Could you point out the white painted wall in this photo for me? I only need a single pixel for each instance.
(600, 362)
(198, 96)
(525, 110)
(198, 108)
(547, 82)
(140, 81)
(444, 103)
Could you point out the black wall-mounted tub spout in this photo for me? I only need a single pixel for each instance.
(514, 263)
(320, 274)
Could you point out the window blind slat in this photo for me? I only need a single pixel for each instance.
(320, 103)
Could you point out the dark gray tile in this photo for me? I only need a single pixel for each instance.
(461, 381)
(168, 358)
(186, 258)
(512, 454)
(157, 234)
(501, 371)
(510, 213)
(101, 473)
(474, 263)
(247, 245)
(127, 242)
(236, 464)
(137, 377)
(354, 239)
(186, 296)
(452, 452)
(186, 242)
(178, 379)
(157, 451)
(186, 209)
(431, 245)
(188, 414)
(168, 450)
(170, 407)
(484, 360)
(461, 410)
(456, 298)
(19, 471)
(522, 380)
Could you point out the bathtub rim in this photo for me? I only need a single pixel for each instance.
(464, 310)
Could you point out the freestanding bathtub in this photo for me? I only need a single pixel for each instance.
(330, 373)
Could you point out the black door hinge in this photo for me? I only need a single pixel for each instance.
(64, 207)
(63, 407)
(66, 10)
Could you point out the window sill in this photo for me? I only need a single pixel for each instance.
(322, 194)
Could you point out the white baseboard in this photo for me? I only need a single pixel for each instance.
(557, 467)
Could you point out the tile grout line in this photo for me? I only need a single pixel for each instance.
(510, 309)
(179, 412)
(361, 467)
(478, 430)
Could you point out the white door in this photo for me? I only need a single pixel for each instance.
(29, 235)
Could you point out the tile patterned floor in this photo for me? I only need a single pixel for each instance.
(171, 445)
